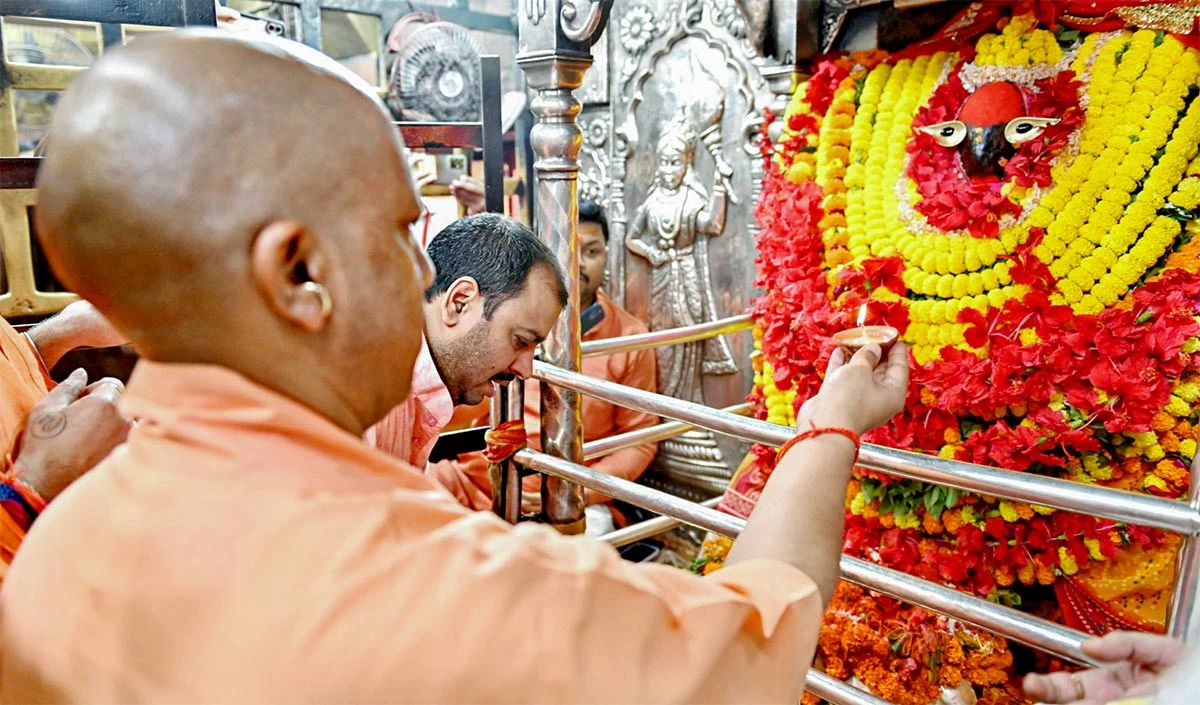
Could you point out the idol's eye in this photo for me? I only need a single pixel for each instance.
(947, 134)
(1021, 130)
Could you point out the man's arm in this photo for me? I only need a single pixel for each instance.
(799, 517)
(542, 598)
(79, 325)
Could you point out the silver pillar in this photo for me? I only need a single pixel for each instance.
(1183, 619)
(555, 39)
(508, 404)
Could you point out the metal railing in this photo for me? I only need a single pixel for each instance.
(1156, 512)
(1119, 505)
(649, 528)
(1179, 517)
(660, 432)
(671, 336)
(1036, 632)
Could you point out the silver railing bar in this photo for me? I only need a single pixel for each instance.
(1118, 505)
(652, 434)
(649, 528)
(827, 687)
(670, 336)
(1042, 634)
(1183, 617)
(645, 497)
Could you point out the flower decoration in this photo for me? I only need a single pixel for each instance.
(638, 29)
(1052, 306)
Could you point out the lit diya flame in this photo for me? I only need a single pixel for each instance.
(853, 339)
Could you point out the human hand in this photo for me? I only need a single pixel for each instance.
(71, 430)
(860, 394)
(79, 325)
(422, 177)
(1135, 662)
(469, 192)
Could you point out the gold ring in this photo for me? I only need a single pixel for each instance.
(1080, 692)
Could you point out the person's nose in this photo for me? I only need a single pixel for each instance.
(523, 365)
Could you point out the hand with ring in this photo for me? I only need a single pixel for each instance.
(1134, 663)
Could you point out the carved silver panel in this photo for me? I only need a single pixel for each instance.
(594, 156)
(594, 90)
(687, 86)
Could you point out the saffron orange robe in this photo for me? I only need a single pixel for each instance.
(240, 548)
(467, 478)
(23, 383)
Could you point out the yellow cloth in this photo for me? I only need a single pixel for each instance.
(239, 548)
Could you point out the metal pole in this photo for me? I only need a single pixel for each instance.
(1129, 507)
(554, 51)
(1039, 633)
(653, 434)
(493, 140)
(1183, 619)
(650, 527)
(827, 687)
(310, 23)
(508, 404)
(671, 336)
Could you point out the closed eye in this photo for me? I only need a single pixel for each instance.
(1023, 129)
(947, 134)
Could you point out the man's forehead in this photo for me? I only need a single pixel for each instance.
(590, 232)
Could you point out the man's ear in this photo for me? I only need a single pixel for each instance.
(462, 303)
(285, 264)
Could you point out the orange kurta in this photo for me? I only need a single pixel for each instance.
(239, 548)
(467, 478)
(22, 386)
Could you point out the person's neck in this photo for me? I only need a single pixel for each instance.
(586, 303)
(296, 375)
(429, 314)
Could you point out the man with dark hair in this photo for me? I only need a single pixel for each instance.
(496, 292)
(602, 318)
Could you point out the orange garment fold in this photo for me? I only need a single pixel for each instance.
(23, 383)
(241, 549)
(467, 478)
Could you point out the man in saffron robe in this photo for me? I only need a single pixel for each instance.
(244, 545)
(51, 435)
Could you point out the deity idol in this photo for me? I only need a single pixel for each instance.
(671, 231)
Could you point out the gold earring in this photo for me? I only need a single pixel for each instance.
(323, 294)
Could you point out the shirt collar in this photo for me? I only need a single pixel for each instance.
(429, 389)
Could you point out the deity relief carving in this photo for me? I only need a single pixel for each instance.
(670, 230)
(686, 86)
(593, 156)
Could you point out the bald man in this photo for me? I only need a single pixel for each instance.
(244, 545)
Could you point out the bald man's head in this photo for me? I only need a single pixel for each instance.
(202, 189)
